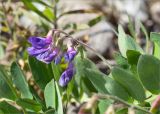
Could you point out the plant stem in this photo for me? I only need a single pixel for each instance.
(147, 45)
(101, 96)
(85, 45)
(55, 15)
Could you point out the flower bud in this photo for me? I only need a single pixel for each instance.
(67, 75)
(71, 53)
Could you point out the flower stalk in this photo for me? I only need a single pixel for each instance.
(85, 45)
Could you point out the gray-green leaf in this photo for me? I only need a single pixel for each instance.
(149, 72)
(130, 83)
(125, 42)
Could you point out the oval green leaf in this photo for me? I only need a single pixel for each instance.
(6, 87)
(42, 72)
(105, 84)
(125, 42)
(20, 81)
(130, 83)
(52, 97)
(149, 72)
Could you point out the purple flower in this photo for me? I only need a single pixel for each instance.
(42, 49)
(67, 75)
(71, 53)
(58, 58)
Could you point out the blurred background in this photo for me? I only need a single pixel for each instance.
(94, 22)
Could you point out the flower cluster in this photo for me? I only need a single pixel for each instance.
(45, 50)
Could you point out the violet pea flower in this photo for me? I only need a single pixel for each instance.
(70, 54)
(42, 49)
(58, 58)
(67, 75)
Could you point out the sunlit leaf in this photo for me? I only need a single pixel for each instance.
(125, 42)
(49, 14)
(30, 6)
(155, 37)
(53, 97)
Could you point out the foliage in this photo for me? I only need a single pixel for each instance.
(133, 82)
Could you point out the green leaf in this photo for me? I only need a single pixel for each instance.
(116, 89)
(6, 108)
(97, 79)
(19, 80)
(127, 80)
(144, 30)
(42, 72)
(53, 97)
(94, 21)
(50, 95)
(1, 52)
(57, 70)
(49, 14)
(149, 72)
(146, 35)
(6, 87)
(43, 3)
(50, 111)
(29, 5)
(155, 37)
(103, 105)
(1, 112)
(125, 42)
(83, 63)
(81, 76)
(37, 98)
(131, 28)
(133, 57)
(106, 84)
(70, 87)
(121, 61)
(157, 50)
(29, 104)
(60, 106)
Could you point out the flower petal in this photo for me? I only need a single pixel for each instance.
(47, 56)
(67, 75)
(58, 58)
(39, 42)
(71, 53)
(34, 52)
